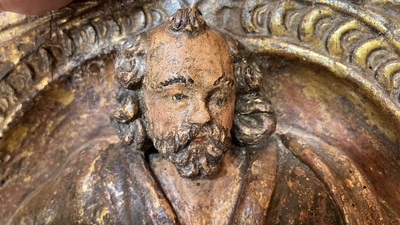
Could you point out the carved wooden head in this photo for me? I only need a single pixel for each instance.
(184, 87)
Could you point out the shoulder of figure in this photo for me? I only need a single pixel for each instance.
(94, 185)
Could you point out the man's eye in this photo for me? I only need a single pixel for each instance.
(179, 97)
(219, 101)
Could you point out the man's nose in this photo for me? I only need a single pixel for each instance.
(200, 113)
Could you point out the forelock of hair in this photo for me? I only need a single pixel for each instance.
(189, 21)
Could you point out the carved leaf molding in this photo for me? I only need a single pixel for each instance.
(354, 44)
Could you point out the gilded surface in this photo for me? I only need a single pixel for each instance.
(331, 70)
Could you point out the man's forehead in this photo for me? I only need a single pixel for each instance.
(208, 42)
(204, 56)
(186, 58)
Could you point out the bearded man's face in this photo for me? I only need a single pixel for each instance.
(188, 100)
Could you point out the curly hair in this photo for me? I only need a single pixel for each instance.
(254, 117)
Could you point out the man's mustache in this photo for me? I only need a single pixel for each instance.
(184, 135)
(178, 139)
(187, 133)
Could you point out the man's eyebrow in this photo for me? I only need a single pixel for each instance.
(224, 79)
(176, 79)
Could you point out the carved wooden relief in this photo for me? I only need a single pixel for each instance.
(315, 135)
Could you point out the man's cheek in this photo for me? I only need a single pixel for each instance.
(166, 122)
(225, 117)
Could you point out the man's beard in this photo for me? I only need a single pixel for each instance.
(191, 158)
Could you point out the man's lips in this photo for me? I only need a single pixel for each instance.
(199, 139)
